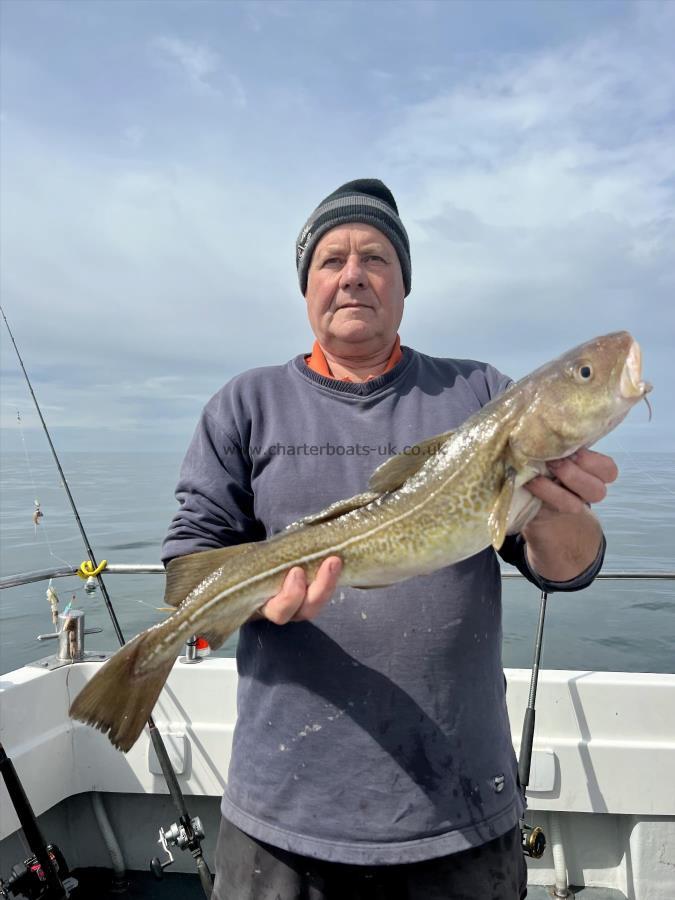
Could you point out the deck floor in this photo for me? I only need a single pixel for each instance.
(176, 886)
(142, 886)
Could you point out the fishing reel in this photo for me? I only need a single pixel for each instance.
(533, 840)
(29, 880)
(176, 836)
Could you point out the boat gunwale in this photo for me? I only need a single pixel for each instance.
(9, 581)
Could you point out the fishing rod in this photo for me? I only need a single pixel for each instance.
(45, 875)
(533, 838)
(188, 833)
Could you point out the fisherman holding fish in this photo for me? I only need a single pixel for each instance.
(372, 754)
(372, 750)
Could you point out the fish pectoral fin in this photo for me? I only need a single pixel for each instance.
(339, 508)
(184, 573)
(398, 469)
(498, 520)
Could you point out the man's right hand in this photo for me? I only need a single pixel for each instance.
(298, 601)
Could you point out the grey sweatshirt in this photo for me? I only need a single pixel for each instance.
(378, 732)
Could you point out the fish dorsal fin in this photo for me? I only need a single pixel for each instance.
(397, 469)
(184, 573)
(339, 508)
(498, 520)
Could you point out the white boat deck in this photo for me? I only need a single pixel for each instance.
(603, 763)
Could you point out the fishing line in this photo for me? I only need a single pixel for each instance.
(191, 827)
(66, 487)
(155, 609)
(43, 524)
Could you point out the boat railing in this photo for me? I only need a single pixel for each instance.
(65, 651)
(10, 581)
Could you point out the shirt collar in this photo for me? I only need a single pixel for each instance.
(318, 363)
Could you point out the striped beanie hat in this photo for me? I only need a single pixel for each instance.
(365, 200)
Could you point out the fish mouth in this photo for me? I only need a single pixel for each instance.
(631, 385)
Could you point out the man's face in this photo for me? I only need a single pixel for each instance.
(355, 290)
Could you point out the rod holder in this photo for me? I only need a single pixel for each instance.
(191, 654)
(70, 636)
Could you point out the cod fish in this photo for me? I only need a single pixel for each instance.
(447, 499)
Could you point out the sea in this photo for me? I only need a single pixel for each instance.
(126, 501)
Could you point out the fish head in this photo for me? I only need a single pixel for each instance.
(579, 397)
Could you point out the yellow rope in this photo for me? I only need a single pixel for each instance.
(87, 569)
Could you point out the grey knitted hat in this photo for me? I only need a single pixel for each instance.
(365, 200)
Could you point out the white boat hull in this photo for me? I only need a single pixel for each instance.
(603, 766)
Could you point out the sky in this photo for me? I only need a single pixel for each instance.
(158, 159)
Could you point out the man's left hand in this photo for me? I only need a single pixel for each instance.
(581, 478)
(565, 537)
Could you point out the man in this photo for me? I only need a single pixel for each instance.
(372, 754)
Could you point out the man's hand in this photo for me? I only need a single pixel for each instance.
(564, 537)
(297, 601)
(581, 478)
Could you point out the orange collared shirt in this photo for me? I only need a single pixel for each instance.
(318, 363)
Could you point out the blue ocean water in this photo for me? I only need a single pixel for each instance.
(126, 501)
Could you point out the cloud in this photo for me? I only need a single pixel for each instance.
(133, 137)
(202, 68)
(541, 190)
(134, 287)
(197, 61)
(147, 257)
(237, 91)
(260, 14)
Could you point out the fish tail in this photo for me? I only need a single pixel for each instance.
(119, 699)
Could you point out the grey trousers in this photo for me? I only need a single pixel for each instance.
(247, 869)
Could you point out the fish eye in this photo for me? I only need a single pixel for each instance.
(583, 371)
